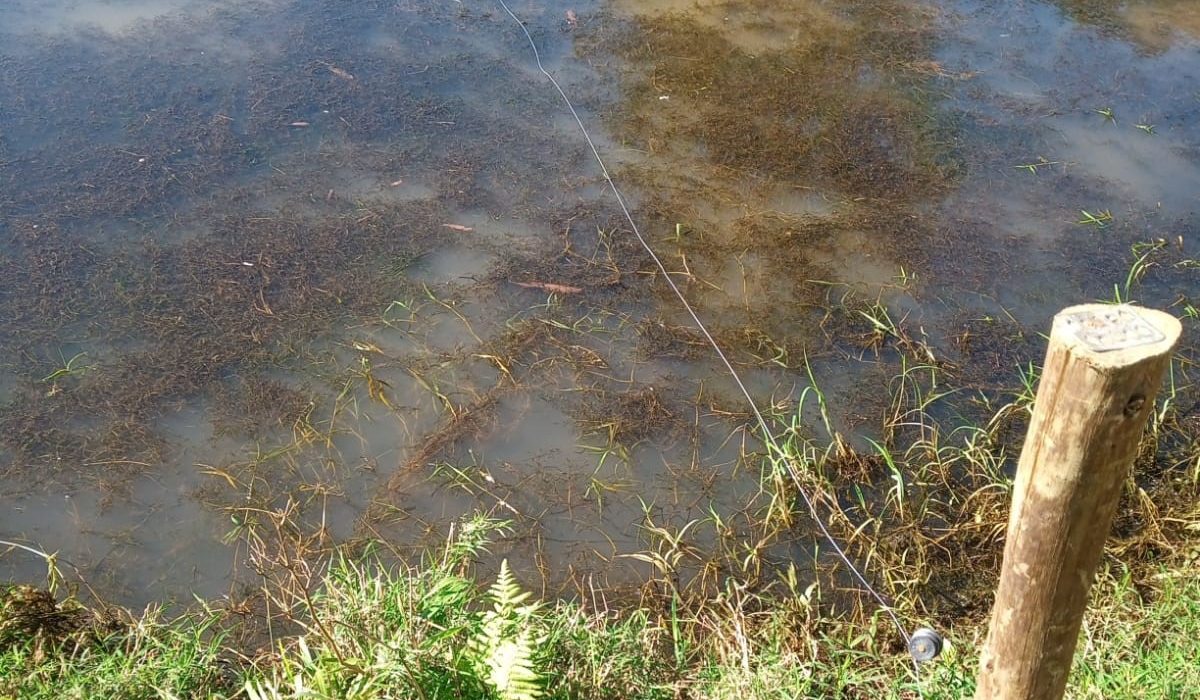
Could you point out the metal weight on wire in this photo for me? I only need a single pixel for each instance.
(925, 645)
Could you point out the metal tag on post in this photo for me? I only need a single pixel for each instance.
(1115, 328)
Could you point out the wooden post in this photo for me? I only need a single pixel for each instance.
(1102, 372)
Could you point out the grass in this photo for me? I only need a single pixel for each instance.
(440, 630)
(51, 649)
(1099, 220)
(1146, 642)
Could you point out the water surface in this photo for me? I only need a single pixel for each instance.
(355, 263)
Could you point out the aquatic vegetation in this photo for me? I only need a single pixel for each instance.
(352, 287)
(1035, 167)
(369, 627)
(1100, 219)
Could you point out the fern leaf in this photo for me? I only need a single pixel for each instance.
(506, 645)
(512, 672)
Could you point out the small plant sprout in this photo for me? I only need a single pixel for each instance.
(1034, 167)
(1141, 261)
(1099, 219)
(906, 278)
(70, 368)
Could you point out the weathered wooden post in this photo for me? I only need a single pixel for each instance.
(1102, 372)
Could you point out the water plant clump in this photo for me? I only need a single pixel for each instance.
(175, 304)
(628, 417)
(813, 108)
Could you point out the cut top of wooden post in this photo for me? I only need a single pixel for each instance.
(1111, 336)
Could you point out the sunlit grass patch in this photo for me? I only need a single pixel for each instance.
(54, 650)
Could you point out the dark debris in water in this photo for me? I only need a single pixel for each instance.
(34, 615)
(630, 416)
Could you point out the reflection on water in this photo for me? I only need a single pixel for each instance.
(111, 16)
(357, 259)
(1040, 89)
(1155, 25)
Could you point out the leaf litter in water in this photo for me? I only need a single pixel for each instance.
(550, 287)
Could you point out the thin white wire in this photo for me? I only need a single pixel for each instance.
(762, 423)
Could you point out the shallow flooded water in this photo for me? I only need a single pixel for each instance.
(356, 264)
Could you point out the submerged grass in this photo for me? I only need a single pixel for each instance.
(921, 506)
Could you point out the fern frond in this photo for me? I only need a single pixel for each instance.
(512, 672)
(507, 643)
(506, 593)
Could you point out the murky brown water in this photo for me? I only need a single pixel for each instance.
(304, 251)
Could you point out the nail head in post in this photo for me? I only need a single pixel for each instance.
(1113, 328)
(925, 645)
